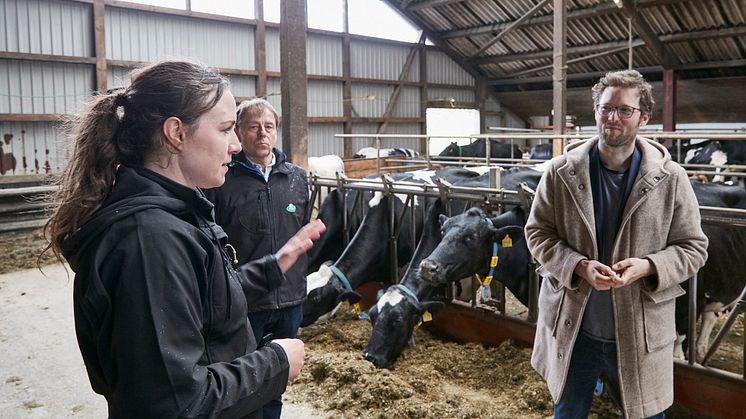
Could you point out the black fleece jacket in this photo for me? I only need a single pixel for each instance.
(160, 315)
(259, 217)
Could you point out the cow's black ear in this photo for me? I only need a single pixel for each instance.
(350, 296)
(433, 307)
(442, 218)
(514, 233)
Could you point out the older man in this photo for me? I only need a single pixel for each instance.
(263, 203)
(615, 227)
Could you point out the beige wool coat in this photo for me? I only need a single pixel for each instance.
(661, 222)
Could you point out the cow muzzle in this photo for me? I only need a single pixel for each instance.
(378, 361)
(430, 271)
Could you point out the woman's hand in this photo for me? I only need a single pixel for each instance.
(299, 244)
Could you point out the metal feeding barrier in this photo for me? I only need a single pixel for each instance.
(24, 209)
(493, 200)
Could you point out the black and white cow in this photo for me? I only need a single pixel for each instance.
(711, 152)
(372, 152)
(366, 257)
(723, 277)
(467, 248)
(541, 151)
(404, 306)
(478, 149)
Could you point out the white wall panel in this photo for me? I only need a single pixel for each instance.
(324, 98)
(37, 87)
(46, 27)
(321, 140)
(407, 129)
(32, 148)
(244, 86)
(371, 60)
(272, 49)
(443, 70)
(324, 55)
(274, 94)
(460, 95)
(134, 35)
(371, 100)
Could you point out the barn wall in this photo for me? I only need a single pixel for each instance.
(48, 71)
(135, 35)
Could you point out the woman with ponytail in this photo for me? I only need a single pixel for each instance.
(160, 310)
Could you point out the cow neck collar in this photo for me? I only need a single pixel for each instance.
(342, 278)
(408, 292)
(493, 259)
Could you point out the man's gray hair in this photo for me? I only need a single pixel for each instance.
(254, 105)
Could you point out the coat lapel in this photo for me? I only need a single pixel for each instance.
(575, 174)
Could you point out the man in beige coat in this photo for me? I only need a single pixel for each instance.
(615, 227)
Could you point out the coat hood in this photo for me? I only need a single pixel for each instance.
(137, 189)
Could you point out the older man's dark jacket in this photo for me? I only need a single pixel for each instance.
(259, 216)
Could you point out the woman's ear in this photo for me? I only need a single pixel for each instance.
(174, 132)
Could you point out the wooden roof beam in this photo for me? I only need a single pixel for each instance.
(427, 4)
(600, 10)
(648, 35)
(596, 74)
(584, 49)
(510, 28)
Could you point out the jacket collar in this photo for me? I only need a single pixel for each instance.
(241, 164)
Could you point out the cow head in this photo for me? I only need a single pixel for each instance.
(394, 318)
(325, 294)
(468, 244)
(451, 150)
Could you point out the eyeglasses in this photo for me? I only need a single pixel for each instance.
(623, 112)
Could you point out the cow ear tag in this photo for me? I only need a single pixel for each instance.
(507, 241)
(291, 208)
(426, 316)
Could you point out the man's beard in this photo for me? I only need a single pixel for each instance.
(617, 140)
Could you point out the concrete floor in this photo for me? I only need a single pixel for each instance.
(41, 373)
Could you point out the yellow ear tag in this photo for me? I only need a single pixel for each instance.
(507, 241)
(427, 317)
(356, 309)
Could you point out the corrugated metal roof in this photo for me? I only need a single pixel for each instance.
(704, 38)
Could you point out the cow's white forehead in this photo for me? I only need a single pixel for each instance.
(718, 158)
(318, 279)
(391, 298)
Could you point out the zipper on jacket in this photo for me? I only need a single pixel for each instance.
(270, 226)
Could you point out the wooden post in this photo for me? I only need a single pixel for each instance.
(99, 36)
(669, 103)
(559, 84)
(347, 87)
(424, 148)
(293, 82)
(260, 45)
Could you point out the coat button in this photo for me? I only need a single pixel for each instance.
(644, 190)
(568, 323)
(581, 186)
(656, 178)
(572, 173)
(559, 355)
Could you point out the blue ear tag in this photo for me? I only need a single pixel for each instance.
(291, 208)
(485, 291)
